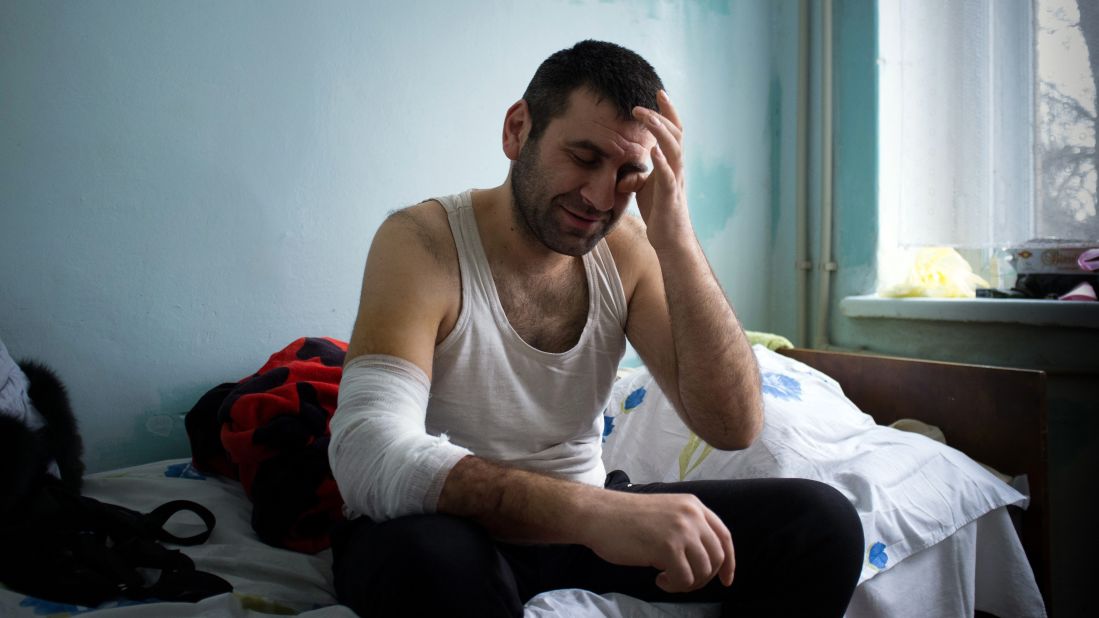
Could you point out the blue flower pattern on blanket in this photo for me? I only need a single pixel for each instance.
(781, 386)
(877, 556)
(608, 426)
(632, 400)
(183, 471)
(42, 607)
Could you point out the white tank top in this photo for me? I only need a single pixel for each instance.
(506, 401)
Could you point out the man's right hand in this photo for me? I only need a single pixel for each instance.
(674, 533)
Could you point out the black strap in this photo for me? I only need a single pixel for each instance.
(92, 551)
(158, 517)
(74, 549)
(188, 586)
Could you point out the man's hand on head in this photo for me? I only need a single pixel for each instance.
(680, 321)
(662, 196)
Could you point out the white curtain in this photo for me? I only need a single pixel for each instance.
(956, 122)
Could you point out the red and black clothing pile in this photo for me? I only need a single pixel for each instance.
(270, 431)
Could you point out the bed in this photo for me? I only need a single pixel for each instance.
(987, 554)
(995, 415)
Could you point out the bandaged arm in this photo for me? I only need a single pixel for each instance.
(384, 461)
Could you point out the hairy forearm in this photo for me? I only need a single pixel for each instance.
(517, 505)
(718, 384)
(673, 533)
(714, 373)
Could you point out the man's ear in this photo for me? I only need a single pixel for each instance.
(516, 128)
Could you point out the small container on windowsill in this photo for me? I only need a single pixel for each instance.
(997, 293)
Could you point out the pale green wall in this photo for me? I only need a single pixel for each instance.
(1067, 354)
(186, 187)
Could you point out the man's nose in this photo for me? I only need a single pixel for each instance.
(599, 191)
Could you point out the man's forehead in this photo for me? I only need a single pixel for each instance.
(589, 118)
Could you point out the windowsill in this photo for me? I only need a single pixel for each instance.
(1078, 314)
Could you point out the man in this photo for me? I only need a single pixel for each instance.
(497, 318)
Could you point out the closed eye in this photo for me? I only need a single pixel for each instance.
(582, 161)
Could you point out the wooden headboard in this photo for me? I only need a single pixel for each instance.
(995, 415)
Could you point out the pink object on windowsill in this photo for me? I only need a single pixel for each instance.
(1089, 260)
(1084, 291)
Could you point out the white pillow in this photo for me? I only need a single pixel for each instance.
(910, 492)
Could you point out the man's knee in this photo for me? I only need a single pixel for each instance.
(834, 515)
(825, 533)
(422, 565)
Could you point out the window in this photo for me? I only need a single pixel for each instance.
(1067, 43)
(987, 125)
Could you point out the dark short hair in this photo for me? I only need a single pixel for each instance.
(612, 72)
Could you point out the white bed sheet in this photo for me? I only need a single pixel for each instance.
(982, 566)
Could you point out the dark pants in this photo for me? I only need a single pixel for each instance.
(798, 544)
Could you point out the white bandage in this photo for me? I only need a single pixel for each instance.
(383, 459)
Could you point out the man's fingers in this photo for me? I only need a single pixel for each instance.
(725, 538)
(658, 124)
(631, 183)
(716, 543)
(728, 568)
(660, 121)
(670, 145)
(667, 133)
(715, 553)
(702, 563)
(664, 582)
(656, 121)
(661, 165)
(706, 552)
(678, 577)
(664, 104)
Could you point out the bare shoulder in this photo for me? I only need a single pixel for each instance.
(633, 255)
(411, 290)
(421, 229)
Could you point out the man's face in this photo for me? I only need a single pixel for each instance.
(569, 185)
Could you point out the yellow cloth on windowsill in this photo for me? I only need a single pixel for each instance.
(769, 340)
(936, 272)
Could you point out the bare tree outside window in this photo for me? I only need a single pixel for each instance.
(1067, 55)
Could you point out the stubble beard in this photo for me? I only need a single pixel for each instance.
(536, 213)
